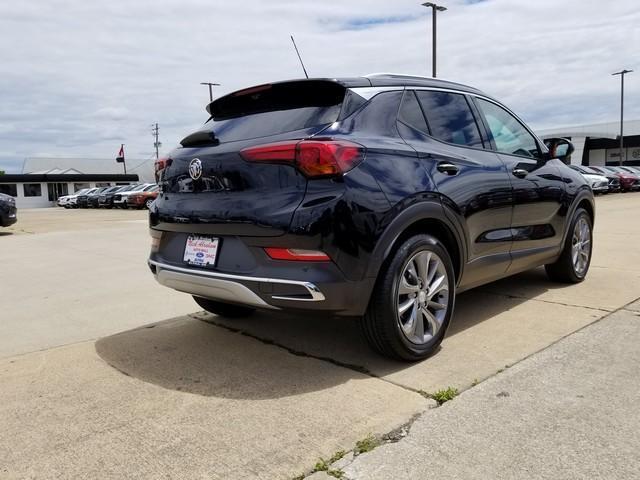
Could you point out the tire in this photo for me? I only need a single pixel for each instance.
(401, 296)
(223, 309)
(148, 203)
(566, 269)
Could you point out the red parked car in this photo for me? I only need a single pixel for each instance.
(628, 180)
(142, 199)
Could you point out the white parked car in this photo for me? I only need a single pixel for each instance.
(120, 199)
(599, 183)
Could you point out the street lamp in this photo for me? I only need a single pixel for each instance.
(622, 73)
(435, 8)
(210, 89)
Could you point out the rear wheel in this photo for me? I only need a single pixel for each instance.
(412, 303)
(223, 309)
(574, 261)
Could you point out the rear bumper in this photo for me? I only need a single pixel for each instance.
(277, 286)
(231, 288)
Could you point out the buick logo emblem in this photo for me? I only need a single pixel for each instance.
(195, 168)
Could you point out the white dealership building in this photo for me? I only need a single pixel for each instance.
(599, 144)
(44, 179)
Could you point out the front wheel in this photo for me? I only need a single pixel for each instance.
(148, 203)
(223, 309)
(574, 261)
(412, 303)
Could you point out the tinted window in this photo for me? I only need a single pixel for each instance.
(449, 117)
(32, 190)
(507, 132)
(9, 189)
(411, 113)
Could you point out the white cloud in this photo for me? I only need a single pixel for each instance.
(80, 78)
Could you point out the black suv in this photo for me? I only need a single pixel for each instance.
(378, 197)
(7, 210)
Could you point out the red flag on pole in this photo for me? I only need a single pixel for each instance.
(120, 157)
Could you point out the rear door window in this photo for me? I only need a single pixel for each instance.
(450, 118)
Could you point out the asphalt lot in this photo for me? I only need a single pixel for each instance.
(105, 374)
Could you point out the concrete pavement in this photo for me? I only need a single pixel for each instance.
(258, 398)
(569, 412)
(75, 275)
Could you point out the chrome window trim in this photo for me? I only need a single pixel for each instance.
(314, 291)
(369, 92)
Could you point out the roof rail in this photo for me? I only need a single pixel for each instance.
(401, 75)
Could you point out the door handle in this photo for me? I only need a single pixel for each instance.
(519, 172)
(448, 168)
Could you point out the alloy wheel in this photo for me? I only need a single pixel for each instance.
(581, 246)
(423, 297)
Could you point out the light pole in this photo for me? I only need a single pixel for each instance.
(211, 85)
(622, 73)
(435, 8)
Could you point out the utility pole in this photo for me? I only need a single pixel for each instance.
(622, 73)
(211, 85)
(435, 8)
(156, 144)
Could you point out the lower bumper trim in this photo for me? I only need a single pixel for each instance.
(223, 286)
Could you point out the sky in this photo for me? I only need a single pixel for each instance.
(80, 77)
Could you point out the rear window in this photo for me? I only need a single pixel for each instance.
(273, 109)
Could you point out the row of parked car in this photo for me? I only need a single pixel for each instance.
(128, 196)
(611, 179)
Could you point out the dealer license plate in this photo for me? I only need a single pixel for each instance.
(201, 251)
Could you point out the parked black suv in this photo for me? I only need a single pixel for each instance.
(8, 215)
(378, 197)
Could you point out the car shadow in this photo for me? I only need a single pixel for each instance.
(5, 234)
(273, 355)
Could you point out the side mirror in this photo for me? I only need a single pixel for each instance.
(559, 148)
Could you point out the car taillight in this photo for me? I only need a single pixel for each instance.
(296, 254)
(314, 158)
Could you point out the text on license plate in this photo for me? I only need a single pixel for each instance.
(201, 251)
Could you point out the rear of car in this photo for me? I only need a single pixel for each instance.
(231, 221)
(329, 196)
(8, 211)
